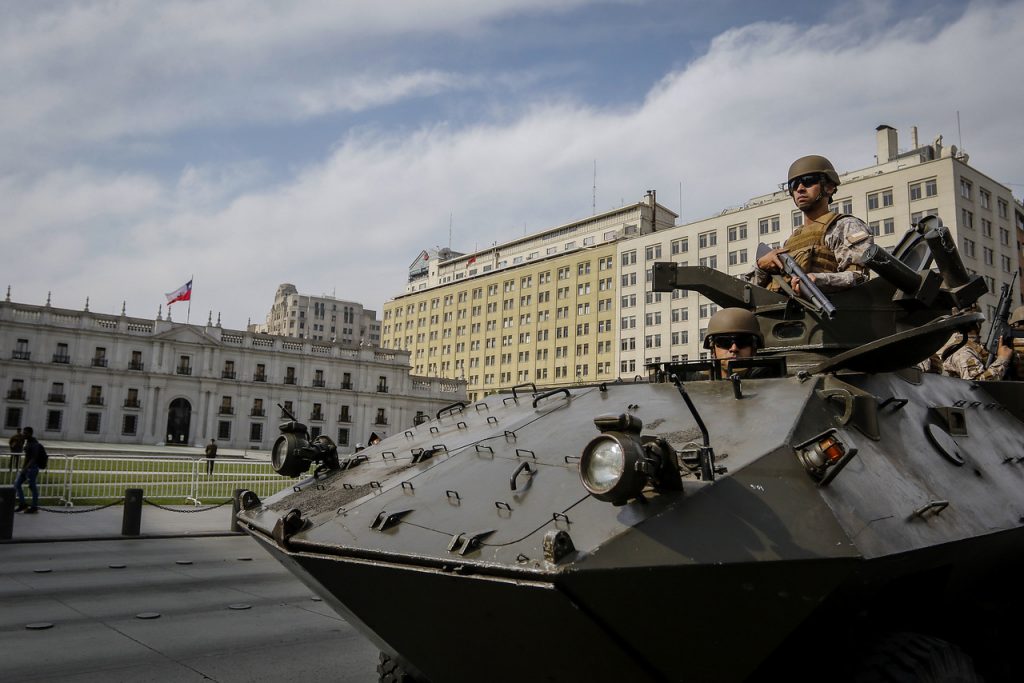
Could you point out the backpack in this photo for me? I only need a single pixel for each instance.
(42, 457)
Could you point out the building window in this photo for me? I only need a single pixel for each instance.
(53, 420)
(967, 218)
(92, 423)
(129, 424)
(184, 365)
(95, 397)
(873, 226)
(21, 351)
(346, 380)
(798, 219)
(289, 375)
(680, 246)
(629, 257)
(256, 432)
(62, 356)
(987, 255)
(915, 191)
(737, 232)
(652, 251)
(887, 197)
(136, 362)
(342, 436)
(381, 418)
(889, 226)
(931, 188)
(132, 399)
(12, 418)
(965, 188)
(968, 247)
(872, 201)
(707, 239)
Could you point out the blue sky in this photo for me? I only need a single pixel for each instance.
(327, 143)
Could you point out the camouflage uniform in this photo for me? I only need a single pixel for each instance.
(969, 363)
(1016, 370)
(848, 238)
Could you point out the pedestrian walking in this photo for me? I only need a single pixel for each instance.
(211, 454)
(35, 460)
(17, 443)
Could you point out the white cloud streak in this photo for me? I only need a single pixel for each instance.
(726, 125)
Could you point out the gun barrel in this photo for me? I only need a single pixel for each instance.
(947, 257)
(890, 269)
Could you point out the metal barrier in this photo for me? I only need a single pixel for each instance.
(76, 479)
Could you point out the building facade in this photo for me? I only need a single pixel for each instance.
(305, 316)
(573, 303)
(541, 309)
(82, 376)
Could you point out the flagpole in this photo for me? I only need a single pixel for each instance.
(191, 279)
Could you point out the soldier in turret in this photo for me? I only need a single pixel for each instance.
(734, 333)
(1016, 370)
(968, 362)
(828, 246)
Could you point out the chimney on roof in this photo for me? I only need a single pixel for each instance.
(886, 139)
(913, 137)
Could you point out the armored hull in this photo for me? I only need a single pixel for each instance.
(468, 549)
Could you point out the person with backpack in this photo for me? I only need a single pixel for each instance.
(35, 460)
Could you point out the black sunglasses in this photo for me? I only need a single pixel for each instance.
(742, 341)
(809, 180)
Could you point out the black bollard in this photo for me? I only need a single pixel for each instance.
(236, 506)
(7, 498)
(131, 523)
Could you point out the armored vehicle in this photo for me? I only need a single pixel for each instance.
(845, 516)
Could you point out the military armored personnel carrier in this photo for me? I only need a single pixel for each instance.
(848, 516)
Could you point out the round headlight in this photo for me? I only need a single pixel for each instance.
(602, 465)
(286, 456)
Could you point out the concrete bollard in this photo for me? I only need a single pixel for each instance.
(131, 522)
(236, 506)
(7, 498)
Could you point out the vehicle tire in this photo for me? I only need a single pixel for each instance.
(916, 658)
(389, 671)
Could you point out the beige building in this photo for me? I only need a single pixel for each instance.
(306, 316)
(539, 309)
(573, 303)
(85, 376)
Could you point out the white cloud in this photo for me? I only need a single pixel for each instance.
(727, 125)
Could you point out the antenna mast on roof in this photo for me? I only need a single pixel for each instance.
(593, 204)
(450, 218)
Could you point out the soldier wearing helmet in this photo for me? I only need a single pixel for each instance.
(828, 245)
(1016, 370)
(968, 362)
(734, 333)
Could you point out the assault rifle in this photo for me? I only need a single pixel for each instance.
(820, 302)
(1000, 328)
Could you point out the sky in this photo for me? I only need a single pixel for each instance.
(248, 143)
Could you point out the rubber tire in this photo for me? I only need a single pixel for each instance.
(916, 658)
(389, 671)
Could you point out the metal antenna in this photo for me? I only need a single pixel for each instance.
(593, 205)
(959, 137)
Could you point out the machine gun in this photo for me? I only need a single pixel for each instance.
(1000, 328)
(819, 301)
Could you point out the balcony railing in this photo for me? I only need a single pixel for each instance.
(259, 377)
(346, 385)
(344, 417)
(94, 401)
(99, 362)
(380, 421)
(132, 403)
(289, 380)
(382, 388)
(16, 394)
(226, 410)
(319, 383)
(61, 358)
(316, 417)
(135, 365)
(184, 370)
(21, 355)
(227, 374)
(257, 412)
(56, 398)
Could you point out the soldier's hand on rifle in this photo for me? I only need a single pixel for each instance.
(794, 282)
(1005, 352)
(770, 262)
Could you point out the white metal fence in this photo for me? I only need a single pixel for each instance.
(78, 479)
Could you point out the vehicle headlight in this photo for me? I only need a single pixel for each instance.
(608, 468)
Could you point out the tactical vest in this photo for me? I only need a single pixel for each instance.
(807, 247)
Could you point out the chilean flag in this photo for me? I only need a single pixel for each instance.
(183, 293)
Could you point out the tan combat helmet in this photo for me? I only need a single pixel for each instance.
(733, 321)
(1017, 317)
(813, 164)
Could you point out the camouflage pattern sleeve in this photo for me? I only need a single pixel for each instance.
(848, 239)
(758, 277)
(967, 363)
